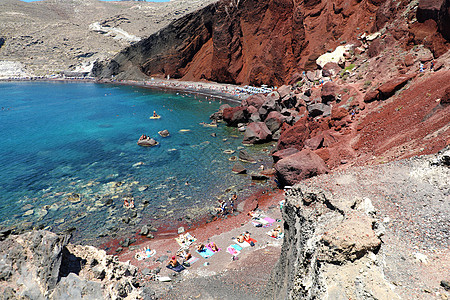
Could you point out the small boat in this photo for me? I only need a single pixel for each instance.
(155, 117)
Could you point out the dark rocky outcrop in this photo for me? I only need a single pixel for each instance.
(43, 265)
(333, 224)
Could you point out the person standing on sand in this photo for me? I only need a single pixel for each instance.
(232, 200)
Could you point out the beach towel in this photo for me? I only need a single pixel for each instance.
(261, 221)
(143, 254)
(280, 235)
(164, 278)
(206, 253)
(178, 268)
(237, 247)
(192, 260)
(251, 240)
(233, 251)
(270, 220)
(243, 245)
(185, 239)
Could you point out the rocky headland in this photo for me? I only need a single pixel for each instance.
(361, 123)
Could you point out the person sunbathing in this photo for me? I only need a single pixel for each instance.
(247, 236)
(214, 247)
(201, 247)
(240, 238)
(184, 254)
(276, 232)
(173, 262)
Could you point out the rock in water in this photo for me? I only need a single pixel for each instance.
(239, 169)
(244, 156)
(164, 133)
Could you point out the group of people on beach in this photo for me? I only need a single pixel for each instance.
(227, 208)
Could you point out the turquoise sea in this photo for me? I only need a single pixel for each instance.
(69, 158)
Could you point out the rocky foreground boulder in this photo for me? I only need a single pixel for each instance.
(377, 232)
(43, 265)
(299, 166)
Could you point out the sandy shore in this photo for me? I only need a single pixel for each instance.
(229, 92)
(209, 278)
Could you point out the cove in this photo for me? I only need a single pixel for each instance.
(69, 158)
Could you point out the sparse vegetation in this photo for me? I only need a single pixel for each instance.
(348, 68)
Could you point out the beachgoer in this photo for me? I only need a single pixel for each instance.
(214, 247)
(240, 238)
(201, 247)
(173, 262)
(126, 203)
(276, 232)
(131, 203)
(222, 207)
(184, 254)
(247, 236)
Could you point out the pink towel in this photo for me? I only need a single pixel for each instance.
(270, 220)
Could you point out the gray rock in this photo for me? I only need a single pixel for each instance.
(144, 230)
(164, 133)
(74, 287)
(162, 258)
(445, 284)
(146, 271)
(319, 109)
(239, 169)
(244, 156)
(258, 176)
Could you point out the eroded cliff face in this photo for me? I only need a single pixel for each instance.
(248, 41)
(272, 41)
(366, 233)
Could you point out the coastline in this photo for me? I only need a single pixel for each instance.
(164, 242)
(216, 90)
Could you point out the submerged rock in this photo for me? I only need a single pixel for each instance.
(246, 157)
(239, 169)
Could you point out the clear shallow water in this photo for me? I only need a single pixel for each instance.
(68, 157)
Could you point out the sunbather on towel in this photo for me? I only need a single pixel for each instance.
(201, 247)
(276, 232)
(173, 262)
(214, 247)
(240, 238)
(184, 254)
(247, 236)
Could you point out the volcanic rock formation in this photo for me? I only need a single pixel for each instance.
(269, 42)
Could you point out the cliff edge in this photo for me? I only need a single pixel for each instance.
(376, 232)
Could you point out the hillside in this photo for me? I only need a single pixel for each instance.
(50, 36)
(361, 121)
(270, 42)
